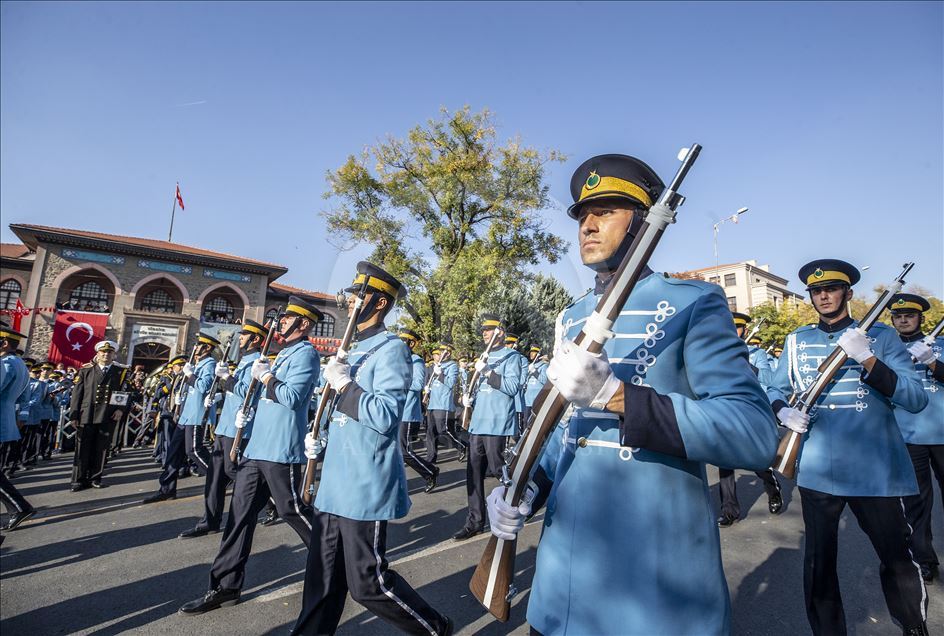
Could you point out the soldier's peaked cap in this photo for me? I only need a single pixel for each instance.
(207, 339)
(177, 360)
(299, 307)
(490, 321)
(614, 176)
(740, 319)
(377, 280)
(828, 271)
(908, 302)
(6, 332)
(106, 345)
(409, 333)
(254, 328)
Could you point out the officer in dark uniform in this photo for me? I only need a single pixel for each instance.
(99, 401)
(413, 415)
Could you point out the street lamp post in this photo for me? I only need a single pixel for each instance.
(734, 219)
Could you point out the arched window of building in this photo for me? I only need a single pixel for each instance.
(10, 290)
(270, 315)
(160, 301)
(160, 296)
(218, 309)
(89, 296)
(324, 328)
(86, 290)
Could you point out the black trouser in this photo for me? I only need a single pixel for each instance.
(485, 458)
(221, 473)
(92, 442)
(883, 521)
(29, 443)
(256, 480)
(9, 453)
(197, 453)
(425, 468)
(440, 424)
(730, 507)
(11, 497)
(174, 458)
(918, 507)
(47, 434)
(349, 556)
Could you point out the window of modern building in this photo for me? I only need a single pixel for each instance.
(715, 279)
(89, 296)
(732, 303)
(324, 328)
(10, 290)
(730, 280)
(160, 301)
(218, 309)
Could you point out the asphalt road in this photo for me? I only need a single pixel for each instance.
(99, 562)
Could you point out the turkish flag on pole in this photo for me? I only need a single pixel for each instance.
(75, 335)
(180, 200)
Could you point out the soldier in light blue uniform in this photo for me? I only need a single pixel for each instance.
(32, 403)
(363, 480)
(222, 469)
(197, 381)
(57, 387)
(511, 343)
(727, 484)
(46, 411)
(173, 457)
(923, 431)
(537, 378)
(629, 544)
(494, 418)
(271, 460)
(441, 408)
(775, 358)
(14, 378)
(853, 452)
(413, 414)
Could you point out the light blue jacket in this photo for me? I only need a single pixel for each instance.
(537, 378)
(854, 447)
(46, 410)
(191, 413)
(441, 389)
(759, 360)
(494, 408)
(927, 426)
(14, 378)
(233, 402)
(33, 400)
(523, 377)
(413, 409)
(281, 421)
(363, 477)
(630, 544)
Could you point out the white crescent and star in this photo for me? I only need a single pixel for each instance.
(76, 346)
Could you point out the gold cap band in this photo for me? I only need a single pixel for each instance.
(376, 283)
(740, 322)
(487, 324)
(256, 330)
(820, 276)
(905, 305)
(12, 335)
(605, 186)
(301, 311)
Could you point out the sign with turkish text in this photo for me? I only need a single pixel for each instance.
(75, 335)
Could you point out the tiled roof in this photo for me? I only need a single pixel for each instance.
(144, 243)
(298, 291)
(13, 250)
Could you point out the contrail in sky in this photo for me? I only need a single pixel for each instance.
(202, 101)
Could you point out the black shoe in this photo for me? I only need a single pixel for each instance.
(917, 630)
(463, 452)
(19, 518)
(77, 486)
(928, 573)
(467, 533)
(198, 531)
(447, 630)
(97, 483)
(775, 504)
(184, 473)
(213, 599)
(159, 496)
(431, 482)
(726, 521)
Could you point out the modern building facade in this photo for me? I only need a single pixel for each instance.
(747, 284)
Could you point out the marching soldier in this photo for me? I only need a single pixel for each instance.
(46, 411)
(413, 414)
(196, 383)
(730, 507)
(854, 453)
(363, 481)
(511, 343)
(924, 431)
(537, 378)
(271, 461)
(173, 456)
(13, 381)
(222, 469)
(442, 407)
(99, 401)
(493, 420)
(672, 392)
(32, 404)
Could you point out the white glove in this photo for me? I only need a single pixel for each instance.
(222, 370)
(437, 368)
(796, 421)
(921, 352)
(188, 370)
(856, 345)
(260, 369)
(583, 378)
(208, 401)
(179, 399)
(337, 373)
(479, 365)
(313, 447)
(466, 401)
(243, 418)
(506, 521)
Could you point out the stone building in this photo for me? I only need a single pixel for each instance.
(747, 284)
(157, 295)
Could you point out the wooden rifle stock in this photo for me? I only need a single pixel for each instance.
(788, 452)
(228, 357)
(432, 377)
(253, 386)
(492, 582)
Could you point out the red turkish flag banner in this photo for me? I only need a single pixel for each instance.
(75, 335)
(180, 199)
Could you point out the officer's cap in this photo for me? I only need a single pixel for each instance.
(828, 271)
(490, 321)
(298, 307)
(908, 302)
(377, 280)
(740, 320)
(254, 328)
(535, 349)
(6, 332)
(614, 176)
(47, 365)
(778, 349)
(55, 375)
(408, 334)
(511, 338)
(106, 345)
(177, 360)
(754, 340)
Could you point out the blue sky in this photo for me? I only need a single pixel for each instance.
(825, 119)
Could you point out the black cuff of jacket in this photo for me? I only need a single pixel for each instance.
(881, 378)
(649, 422)
(494, 380)
(777, 405)
(938, 372)
(349, 402)
(544, 484)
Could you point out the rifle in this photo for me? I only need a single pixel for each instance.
(254, 385)
(755, 329)
(785, 462)
(938, 328)
(492, 583)
(230, 350)
(178, 385)
(433, 377)
(308, 488)
(472, 388)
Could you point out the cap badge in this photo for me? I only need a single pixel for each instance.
(819, 273)
(593, 180)
(901, 301)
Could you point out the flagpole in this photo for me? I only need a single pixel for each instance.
(170, 233)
